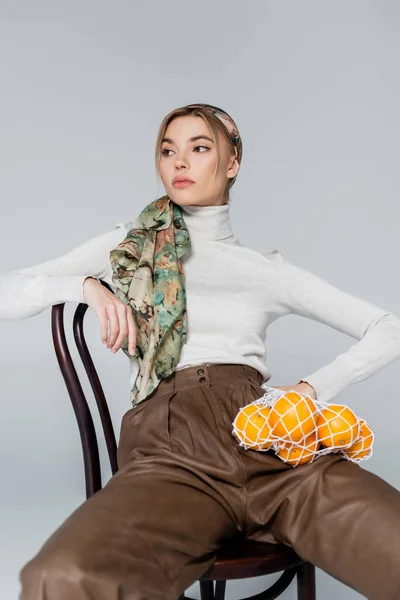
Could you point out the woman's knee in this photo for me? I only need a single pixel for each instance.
(47, 569)
(67, 574)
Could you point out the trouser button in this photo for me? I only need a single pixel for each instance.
(202, 379)
(200, 371)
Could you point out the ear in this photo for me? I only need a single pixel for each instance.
(233, 167)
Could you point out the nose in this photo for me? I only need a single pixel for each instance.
(181, 161)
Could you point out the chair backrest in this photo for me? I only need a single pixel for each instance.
(90, 448)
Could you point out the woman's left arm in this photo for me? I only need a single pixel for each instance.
(377, 330)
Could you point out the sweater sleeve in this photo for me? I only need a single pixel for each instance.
(28, 291)
(377, 330)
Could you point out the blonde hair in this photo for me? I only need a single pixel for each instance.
(213, 123)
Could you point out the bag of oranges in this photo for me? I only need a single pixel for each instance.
(299, 429)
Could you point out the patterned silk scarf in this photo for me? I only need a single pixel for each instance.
(148, 275)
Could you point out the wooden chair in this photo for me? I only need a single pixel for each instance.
(242, 558)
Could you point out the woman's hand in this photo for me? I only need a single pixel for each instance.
(109, 308)
(302, 388)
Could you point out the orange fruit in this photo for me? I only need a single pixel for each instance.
(337, 426)
(292, 417)
(299, 454)
(362, 446)
(252, 426)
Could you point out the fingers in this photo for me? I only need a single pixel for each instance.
(102, 315)
(122, 325)
(132, 331)
(123, 328)
(114, 325)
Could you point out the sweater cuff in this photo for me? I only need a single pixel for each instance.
(329, 381)
(64, 289)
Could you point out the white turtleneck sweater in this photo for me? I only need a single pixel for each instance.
(233, 294)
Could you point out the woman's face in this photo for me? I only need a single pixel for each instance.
(188, 151)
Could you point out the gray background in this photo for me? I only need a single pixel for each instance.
(314, 88)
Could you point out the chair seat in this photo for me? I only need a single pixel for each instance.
(246, 558)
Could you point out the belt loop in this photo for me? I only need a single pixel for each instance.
(172, 384)
(252, 374)
(246, 372)
(168, 385)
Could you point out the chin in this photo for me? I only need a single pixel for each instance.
(181, 197)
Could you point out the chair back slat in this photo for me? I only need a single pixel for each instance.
(96, 386)
(83, 415)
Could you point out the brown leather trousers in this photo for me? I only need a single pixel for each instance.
(185, 486)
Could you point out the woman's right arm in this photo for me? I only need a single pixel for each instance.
(28, 291)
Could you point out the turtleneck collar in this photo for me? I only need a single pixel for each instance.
(210, 222)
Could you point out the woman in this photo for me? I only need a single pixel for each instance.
(184, 484)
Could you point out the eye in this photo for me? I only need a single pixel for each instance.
(164, 151)
(206, 147)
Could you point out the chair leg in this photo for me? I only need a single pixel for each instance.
(206, 590)
(220, 587)
(306, 589)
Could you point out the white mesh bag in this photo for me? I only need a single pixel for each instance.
(300, 429)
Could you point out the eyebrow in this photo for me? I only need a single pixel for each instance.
(192, 139)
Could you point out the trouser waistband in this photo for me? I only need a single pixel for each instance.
(204, 374)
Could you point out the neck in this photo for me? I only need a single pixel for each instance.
(211, 222)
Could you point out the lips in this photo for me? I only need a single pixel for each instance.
(182, 183)
(180, 179)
